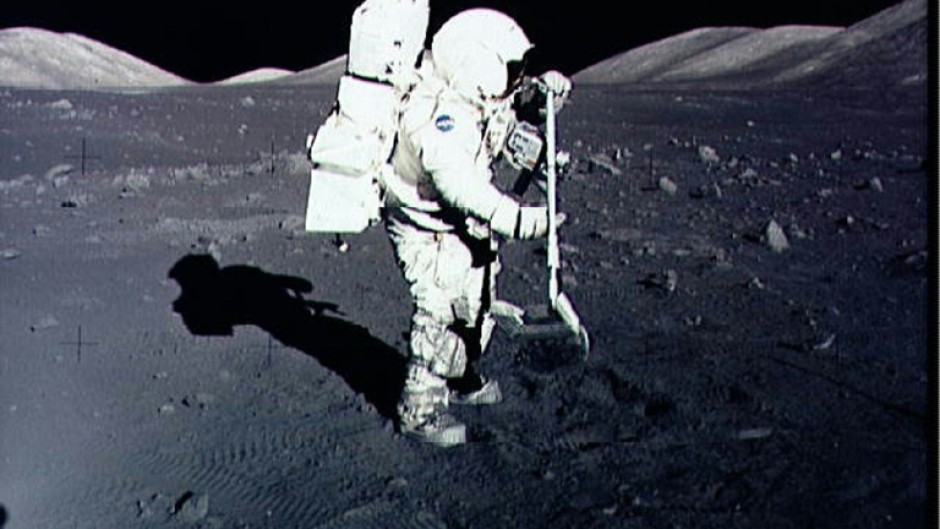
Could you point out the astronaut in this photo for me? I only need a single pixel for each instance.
(442, 212)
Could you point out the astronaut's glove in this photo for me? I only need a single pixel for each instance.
(558, 84)
(505, 217)
(533, 222)
(521, 222)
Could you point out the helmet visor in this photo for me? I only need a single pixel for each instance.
(515, 73)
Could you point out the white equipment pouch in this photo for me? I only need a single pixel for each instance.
(342, 203)
(350, 151)
(386, 38)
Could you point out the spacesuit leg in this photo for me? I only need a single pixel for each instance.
(435, 267)
(479, 293)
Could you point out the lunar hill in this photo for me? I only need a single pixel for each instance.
(37, 58)
(887, 49)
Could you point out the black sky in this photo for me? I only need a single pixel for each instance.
(204, 41)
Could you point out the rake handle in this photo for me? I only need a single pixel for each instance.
(554, 257)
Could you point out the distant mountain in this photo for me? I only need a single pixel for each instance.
(887, 49)
(37, 58)
(261, 75)
(327, 73)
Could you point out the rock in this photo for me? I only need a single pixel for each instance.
(836, 155)
(712, 190)
(167, 409)
(824, 344)
(62, 104)
(76, 201)
(775, 238)
(10, 253)
(215, 250)
(671, 280)
(708, 155)
(667, 281)
(621, 235)
(47, 322)
(396, 483)
(136, 182)
(59, 170)
(199, 400)
(748, 175)
(291, 223)
(752, 434)
(603, 162)
(875, 185)
(191, 507)
(668, 186)
(247, 102)
(156, 503)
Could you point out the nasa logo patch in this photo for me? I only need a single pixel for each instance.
(444, 123)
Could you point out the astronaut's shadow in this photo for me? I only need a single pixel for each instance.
(214, 300)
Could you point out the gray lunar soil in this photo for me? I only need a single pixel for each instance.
(755, 268)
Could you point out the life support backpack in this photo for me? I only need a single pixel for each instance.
(351, 149)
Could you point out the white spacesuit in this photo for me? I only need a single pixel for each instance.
(442, 209)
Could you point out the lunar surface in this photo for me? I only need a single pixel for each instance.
(753, 263)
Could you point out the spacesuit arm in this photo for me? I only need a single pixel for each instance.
(449, 148)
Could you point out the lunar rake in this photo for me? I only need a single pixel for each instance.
(558, 320)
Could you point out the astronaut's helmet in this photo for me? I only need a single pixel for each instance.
(481, 53)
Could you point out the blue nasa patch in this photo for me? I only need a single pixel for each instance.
(444, 123)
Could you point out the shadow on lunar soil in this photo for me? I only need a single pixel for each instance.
(215, 299)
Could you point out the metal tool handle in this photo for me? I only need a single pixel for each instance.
(554, 258)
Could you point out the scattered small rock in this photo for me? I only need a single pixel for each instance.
(59, 170)
(396, 483)
(748, 175)
(752, 434)
(605, 163)
(825, 344)
(136, 182)
(62, 104)
(667, 281)
(77, 201)
(149, 507)
(617, 235)
(47, 322)
(291, 223)
(712, 190)
(199, 400)
(191, 507)
(708, 155)
(775, 238)
(668, 186)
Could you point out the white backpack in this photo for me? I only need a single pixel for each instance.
(351, 149)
